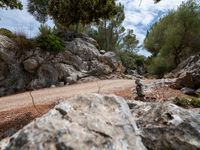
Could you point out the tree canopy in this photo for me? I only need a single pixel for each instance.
(112, 35)
(12, 4)
(177, 35)
(72, 12)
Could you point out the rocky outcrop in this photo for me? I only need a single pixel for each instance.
(166, 126)
(187, 73)
(36, 68)
(110, 123)
(83, 122)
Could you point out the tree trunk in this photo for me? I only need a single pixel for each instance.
(77, 26)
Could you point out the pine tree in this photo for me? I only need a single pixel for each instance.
(12, 4)
(72, 12)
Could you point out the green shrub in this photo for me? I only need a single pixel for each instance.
(184, 102)
(195, 102)
(187, 102)
(130, 60)
(159, 66)
(47, 40)
(7, 33)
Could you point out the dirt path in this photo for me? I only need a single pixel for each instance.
(46, 96)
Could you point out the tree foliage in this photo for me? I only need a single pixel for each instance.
(112, 35)
(12, 4)
(175, 36)
(48, 40)
(72, 12)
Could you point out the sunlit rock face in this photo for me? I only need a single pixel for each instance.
(84, 122)
(22, 70)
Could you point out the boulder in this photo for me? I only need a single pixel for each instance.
(49, 74)
(5, 42)
(102, 52)
(188, 91)
(71, 79)
(36, 84)
(30, 65)
(110, 59)
(84, 122)
(6, 56)
(167, 126)
(83, 49)
(188, 73)
(197, 92)
(134, 73)
(98, 68)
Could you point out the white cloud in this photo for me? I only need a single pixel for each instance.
(141, 17)
(138, 17)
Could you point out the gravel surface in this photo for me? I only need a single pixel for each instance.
(51, 95)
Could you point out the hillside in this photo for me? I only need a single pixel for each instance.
(35, 68)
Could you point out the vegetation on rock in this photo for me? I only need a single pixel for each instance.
(47, 40)
(188, 102)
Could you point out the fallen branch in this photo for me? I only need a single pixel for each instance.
(33, 102)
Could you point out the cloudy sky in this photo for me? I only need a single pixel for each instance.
(138, 17)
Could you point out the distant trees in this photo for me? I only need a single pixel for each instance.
(112, 35)
(13, 4)
(72, 12)
(175, 36)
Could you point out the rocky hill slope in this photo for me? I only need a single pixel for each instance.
(36, 68)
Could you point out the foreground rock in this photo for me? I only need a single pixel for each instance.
(188, 73)
(22, 70)
(166, 126)
(91, 122)
(108, 123)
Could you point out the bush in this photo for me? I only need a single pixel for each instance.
(7, 33)
(188, 102)
(130, 60)
(195, 102)
(159, 66)
(47, 40)
(23, 42)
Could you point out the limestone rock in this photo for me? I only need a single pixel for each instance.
(5, 42)
(84, 122)
(188, 91)
(37, 68)
(49, 74)
(83, 49)
(167, 126)
(102, 52)
(188, 73)
(30, 65)
(197, 91)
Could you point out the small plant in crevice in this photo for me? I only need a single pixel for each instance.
(47, 40)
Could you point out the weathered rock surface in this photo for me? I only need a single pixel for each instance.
(90, 122)
(110, 123)
(36, 68)
(167, 126)
(188, 73)
(188, 91)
